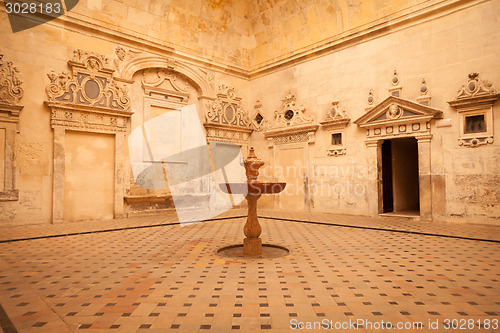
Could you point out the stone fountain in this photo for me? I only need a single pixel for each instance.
(252, 244)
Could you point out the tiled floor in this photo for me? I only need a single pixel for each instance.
(167, 278)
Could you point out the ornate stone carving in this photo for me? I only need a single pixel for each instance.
(88, 98)
(225, 118)
(475, 87)
(122, 56)
(165, 84)
(291, 120)
(336, 151)
(397, 117)
(10, 82)
(474, 102)
(335, 117)
(290, 114)
(296, 137)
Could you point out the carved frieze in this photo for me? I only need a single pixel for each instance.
(474, 104)
(88, 98)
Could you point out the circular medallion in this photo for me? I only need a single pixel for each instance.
(92, 89)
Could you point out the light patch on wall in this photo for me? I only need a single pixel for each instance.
(94, 4)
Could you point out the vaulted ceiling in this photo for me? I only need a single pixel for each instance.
(248, 35)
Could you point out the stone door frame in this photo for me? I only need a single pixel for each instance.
(399, 118)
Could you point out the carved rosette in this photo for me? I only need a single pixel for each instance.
(10, 83)
(88, 97)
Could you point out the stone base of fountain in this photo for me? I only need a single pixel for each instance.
(268, 251)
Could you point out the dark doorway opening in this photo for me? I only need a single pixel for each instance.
(400, 184)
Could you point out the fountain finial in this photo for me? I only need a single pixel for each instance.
(252, 165)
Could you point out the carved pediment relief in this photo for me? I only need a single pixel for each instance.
(225, 118)
(398, 117)
(475, 91)
(336, 117)
(165, 84)
(88, 97)
(291, 120)
(397, 110)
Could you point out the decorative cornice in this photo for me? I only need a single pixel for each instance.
(10, 113)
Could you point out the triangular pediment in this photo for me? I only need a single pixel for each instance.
(397, 110)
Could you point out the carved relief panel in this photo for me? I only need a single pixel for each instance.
(88, 98)
(11, 92)
(291, 124)
(226, 120)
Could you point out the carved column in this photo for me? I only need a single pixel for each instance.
(424, 172)
(58, 176)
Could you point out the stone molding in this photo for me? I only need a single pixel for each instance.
(475, 98)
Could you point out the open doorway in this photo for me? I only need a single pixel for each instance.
(400, 184)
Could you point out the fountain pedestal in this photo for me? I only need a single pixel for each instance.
(252, 244)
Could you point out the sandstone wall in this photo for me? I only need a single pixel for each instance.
(443, 51)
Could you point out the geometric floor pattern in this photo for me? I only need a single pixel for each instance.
(170, 279)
